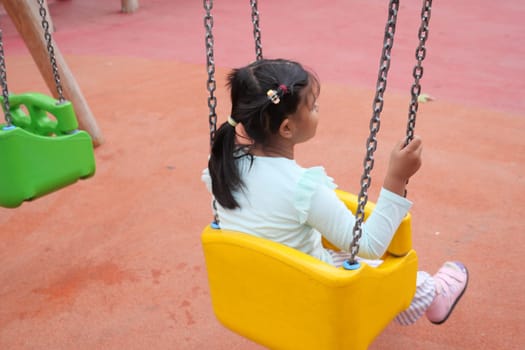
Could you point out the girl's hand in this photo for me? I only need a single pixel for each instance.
(404, 162)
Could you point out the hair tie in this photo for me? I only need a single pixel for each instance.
(232, 122)
(283, 88)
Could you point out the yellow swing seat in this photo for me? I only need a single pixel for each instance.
(282, 298)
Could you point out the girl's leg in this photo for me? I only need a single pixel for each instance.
(423, 298)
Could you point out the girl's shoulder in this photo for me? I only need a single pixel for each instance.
(288, 171)
(312, 180)
(316, 174)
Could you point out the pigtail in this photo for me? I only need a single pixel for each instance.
(223, 170)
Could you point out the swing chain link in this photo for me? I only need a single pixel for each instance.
(51, 51)
(371, 146)
(256, 30)
(417, 73)
(3, 79)
(211, 84)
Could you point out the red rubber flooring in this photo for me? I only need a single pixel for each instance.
(115, 262)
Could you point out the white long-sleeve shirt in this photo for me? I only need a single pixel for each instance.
(292, 205)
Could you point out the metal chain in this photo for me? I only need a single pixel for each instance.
(211, 85)
(418, 69)
(210, 65)
(51, 50)
(3, 80)
(256, 30)
(371, 144)
(417, 73)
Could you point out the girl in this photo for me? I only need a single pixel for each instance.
(260, 189)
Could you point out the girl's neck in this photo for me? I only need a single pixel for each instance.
(273, 151)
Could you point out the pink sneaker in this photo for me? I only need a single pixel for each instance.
(451, 282)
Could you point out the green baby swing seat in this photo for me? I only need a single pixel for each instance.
(40, 153)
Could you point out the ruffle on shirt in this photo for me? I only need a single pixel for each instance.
(307, 185)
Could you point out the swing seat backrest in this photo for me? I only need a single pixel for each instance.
(40, 155)
(284, 299)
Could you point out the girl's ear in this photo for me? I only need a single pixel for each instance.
(285, 130)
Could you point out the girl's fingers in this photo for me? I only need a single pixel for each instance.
(414, 145)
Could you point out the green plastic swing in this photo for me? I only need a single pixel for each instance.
(39, 155)
(41, 148)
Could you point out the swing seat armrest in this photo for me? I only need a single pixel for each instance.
(400, 245)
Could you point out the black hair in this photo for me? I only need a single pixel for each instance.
(260, 117)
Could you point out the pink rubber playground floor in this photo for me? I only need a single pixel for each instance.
(115, 262)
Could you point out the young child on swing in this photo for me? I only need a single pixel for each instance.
(260, 189)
